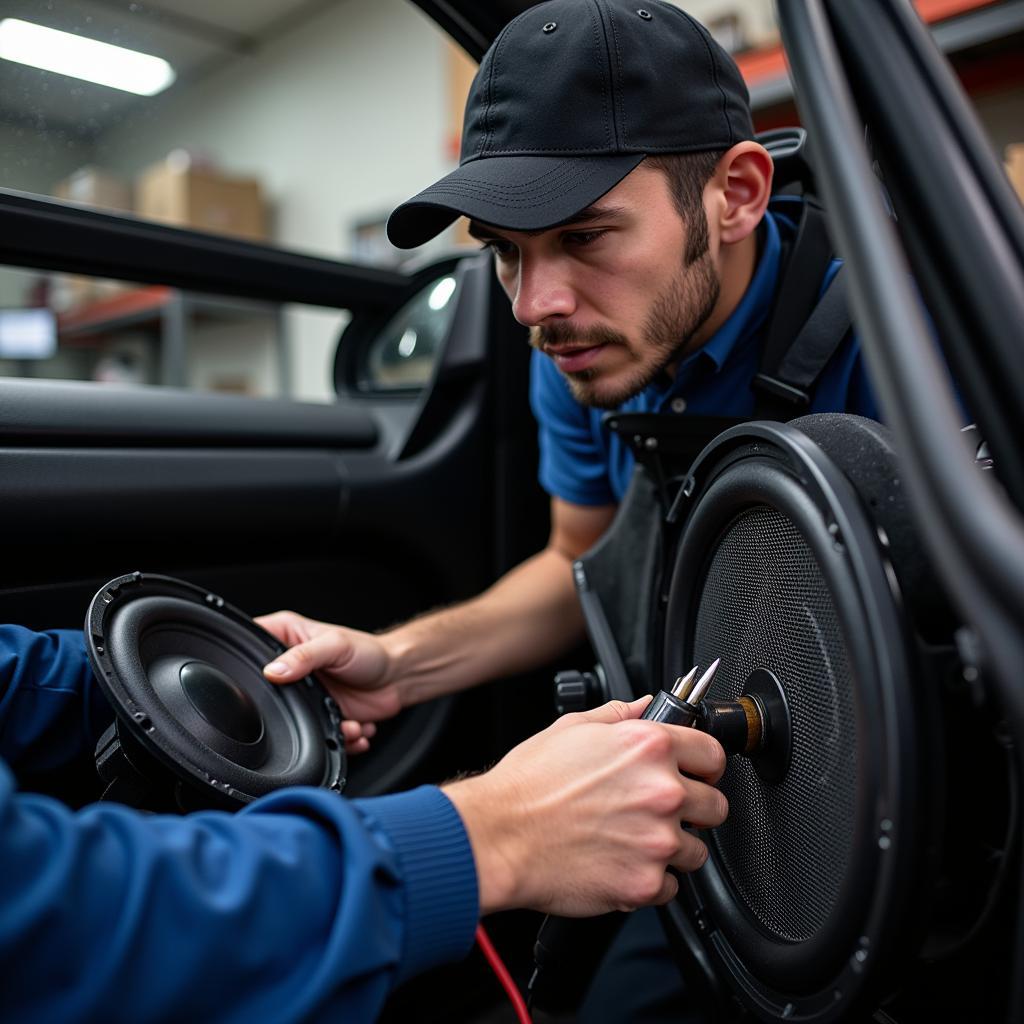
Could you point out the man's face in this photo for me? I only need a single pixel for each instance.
(610, 297)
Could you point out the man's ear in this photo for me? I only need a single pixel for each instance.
(744, 181)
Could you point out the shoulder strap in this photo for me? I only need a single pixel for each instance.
(805, 327)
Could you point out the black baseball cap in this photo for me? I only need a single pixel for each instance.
(570, 98)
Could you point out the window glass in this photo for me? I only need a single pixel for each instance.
(300, 125)
(73, 327)
(294, 124)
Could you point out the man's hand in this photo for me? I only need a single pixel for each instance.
(353, 666)
(584, 817)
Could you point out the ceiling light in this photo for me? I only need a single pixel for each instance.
(80, 57)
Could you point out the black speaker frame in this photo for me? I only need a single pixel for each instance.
(149, 757)
(767, 463)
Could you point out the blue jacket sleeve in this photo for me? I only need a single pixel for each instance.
(51, 708)
(303, 906)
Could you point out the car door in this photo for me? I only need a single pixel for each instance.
(412, 487)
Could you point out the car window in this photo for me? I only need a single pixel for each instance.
(294, 125)
(275, 121)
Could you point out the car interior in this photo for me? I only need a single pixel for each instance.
(871, 868)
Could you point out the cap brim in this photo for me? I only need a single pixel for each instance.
(518, 193)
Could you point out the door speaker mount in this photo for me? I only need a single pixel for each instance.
(196, 723)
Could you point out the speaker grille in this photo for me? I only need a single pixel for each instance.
(765, 604)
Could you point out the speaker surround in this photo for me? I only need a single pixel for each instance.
(196, 722)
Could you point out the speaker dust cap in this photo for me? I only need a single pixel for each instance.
(182, 670)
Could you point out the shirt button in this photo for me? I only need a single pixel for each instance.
(678, 405)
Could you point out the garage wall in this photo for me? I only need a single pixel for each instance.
(32, 160)
(1002, 118)
(341, 119)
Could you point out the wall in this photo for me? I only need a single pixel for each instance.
(342, 119)
(33, 160)
(1001, 115)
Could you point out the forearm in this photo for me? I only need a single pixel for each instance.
(530, 616)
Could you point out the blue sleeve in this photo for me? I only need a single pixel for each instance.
(51, 708)
(573, 462)
(304, 905)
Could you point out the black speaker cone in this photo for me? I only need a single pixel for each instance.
(183, 671)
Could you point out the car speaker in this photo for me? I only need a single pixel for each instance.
(840, 870)
(196, 723)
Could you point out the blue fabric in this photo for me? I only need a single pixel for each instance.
(303, 905)
(51, 708)
(582, 462)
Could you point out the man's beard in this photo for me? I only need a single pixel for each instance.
(675, 316)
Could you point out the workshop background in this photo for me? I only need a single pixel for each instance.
(301, 124)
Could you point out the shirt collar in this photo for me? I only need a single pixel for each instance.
(752, 308)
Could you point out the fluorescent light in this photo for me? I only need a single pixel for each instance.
(80, 57)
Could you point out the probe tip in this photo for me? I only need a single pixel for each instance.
(703, 684)
(684, 684)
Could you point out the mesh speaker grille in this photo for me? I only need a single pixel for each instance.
(764, 603)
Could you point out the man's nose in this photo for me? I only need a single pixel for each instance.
(542, 291)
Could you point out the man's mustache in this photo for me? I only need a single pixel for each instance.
(560, 335)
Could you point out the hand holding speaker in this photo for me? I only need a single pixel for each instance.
(352, 665)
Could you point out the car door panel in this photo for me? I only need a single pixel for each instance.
(364, 512)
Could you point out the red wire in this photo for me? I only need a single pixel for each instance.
(491, 956)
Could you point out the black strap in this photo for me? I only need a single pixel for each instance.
(804, 263)
(805, 328)
(820, 336)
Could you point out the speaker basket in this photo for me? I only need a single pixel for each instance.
(194, 715)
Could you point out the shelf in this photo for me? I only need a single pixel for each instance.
(957, 24)
(171, 316)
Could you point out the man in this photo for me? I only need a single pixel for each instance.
(306, 905)
(608, 161)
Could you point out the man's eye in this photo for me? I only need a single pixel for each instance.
(582, 238)
(503, 249)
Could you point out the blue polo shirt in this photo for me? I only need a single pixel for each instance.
(584, 463)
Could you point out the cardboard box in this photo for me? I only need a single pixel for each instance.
(72, 292)
(176, 191)
(92, 186)
(1015, 167)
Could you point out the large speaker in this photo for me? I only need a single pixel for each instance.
(196, 724)
(864, 869)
